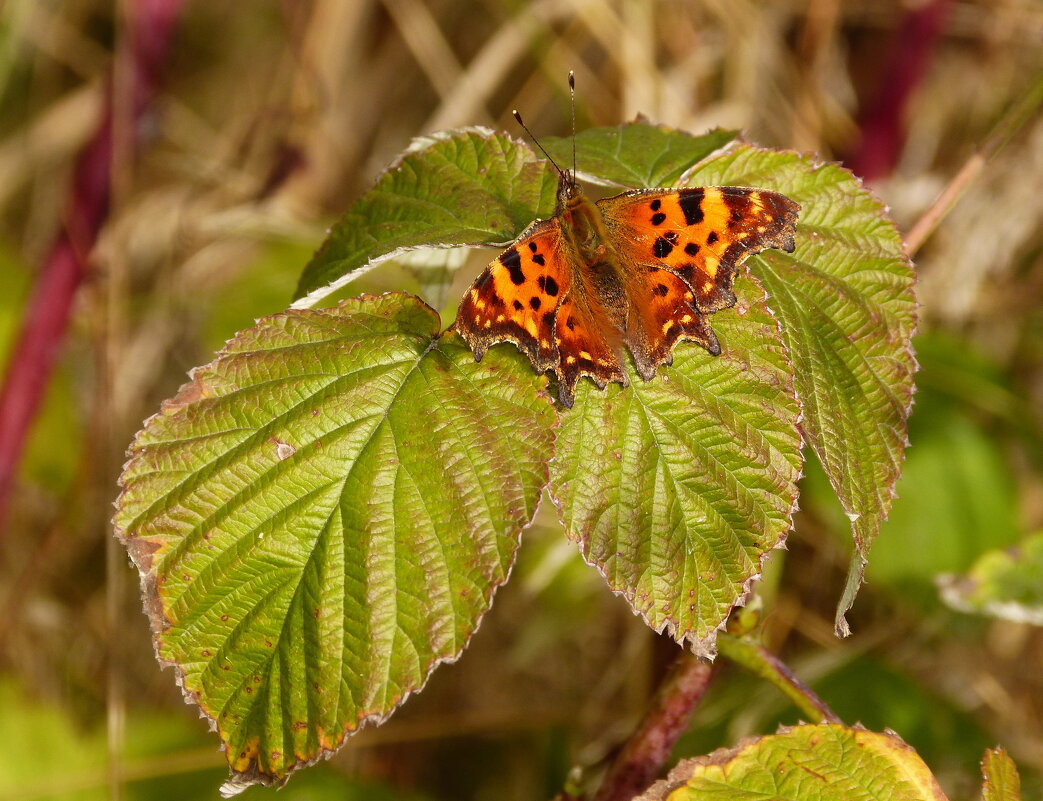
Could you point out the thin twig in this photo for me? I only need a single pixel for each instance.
(1009, 124)
(761, 662)
(645, 753)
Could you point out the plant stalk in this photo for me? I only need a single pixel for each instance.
(642, 759)
(761, 662)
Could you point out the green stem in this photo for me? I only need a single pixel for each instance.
(761, 662)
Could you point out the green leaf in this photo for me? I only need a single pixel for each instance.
(463, 187)
(636, 154)
(1007, 584)
(827, 762)
(676, 488)
(322, 515)
(1002, 782)
(845, 300)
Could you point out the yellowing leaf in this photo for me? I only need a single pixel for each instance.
(827, 762)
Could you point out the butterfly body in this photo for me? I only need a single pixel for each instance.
(642, 269)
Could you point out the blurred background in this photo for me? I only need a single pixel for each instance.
(167, 167)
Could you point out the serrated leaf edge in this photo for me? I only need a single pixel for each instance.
(706, 647)
(140, 558)
(416, 145)
(859, 561)
(681, 773)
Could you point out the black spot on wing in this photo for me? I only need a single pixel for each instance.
(518, 306)
(658, 218)
(662, 248)
(711, 237)
(511, 259)
(538, 258)
(655, 204)
(549, 285)
(691, 248)
(534, 302)
(691, 202)
(532, 246)
(661, 290)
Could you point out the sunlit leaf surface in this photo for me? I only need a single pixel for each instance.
(828, 762)
(845, 301)
(322, 515)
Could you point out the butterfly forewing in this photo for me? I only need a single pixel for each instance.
(702, 233)
(517, 296)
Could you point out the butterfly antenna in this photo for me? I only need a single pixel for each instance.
(572, 92)
(564, 175)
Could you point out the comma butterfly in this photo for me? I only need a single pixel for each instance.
(645, 268)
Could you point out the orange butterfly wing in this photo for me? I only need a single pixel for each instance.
(679, 250)
(562, 320)
(517, 296)
(570, 292)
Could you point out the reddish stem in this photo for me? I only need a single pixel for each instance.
(883, 121)
(645, 754)
(50, 304)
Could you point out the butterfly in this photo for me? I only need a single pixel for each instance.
(642, 269)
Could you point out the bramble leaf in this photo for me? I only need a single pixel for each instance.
(1007, 584)
(464, 187)
(635, 155)
(1002, 782)
(322, 515)
(845, 300)
(826, 762)
(676, 488)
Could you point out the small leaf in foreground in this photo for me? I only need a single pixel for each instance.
(845, 300)
(322, 515)
(1007, 584)
(676, 488)
(465, 187)
(1002, 782)
(827, 762)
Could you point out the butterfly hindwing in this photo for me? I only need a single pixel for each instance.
(661, 312)
(589, 343)
(517, 296)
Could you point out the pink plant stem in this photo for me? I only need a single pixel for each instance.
(883, 122)
(643, 757)
(65, 267)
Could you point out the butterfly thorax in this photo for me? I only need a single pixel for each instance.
(588, 241)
